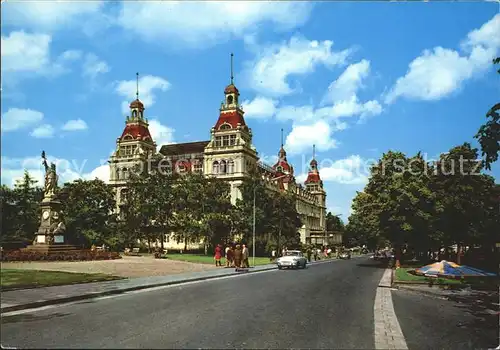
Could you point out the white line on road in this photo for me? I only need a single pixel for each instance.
(145, 290)
(388, 334)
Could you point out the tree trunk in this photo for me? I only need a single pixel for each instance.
(185, 244)
(459, 253)
(149, 244)
(397, 256)
(162, 238)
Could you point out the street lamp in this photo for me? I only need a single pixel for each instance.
(254, 188)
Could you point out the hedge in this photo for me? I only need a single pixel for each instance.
(75, 255)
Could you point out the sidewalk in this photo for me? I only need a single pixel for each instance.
(37, 297)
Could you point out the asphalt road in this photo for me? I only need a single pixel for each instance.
(328, 305)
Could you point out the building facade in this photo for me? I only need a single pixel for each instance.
(229, 154)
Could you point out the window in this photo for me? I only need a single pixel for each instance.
(230, 166)
(125, 173)
(225, 140)
(215, 168)
(134, 114)
(232, 140)
(222, 168)
(279, 169)
(181, 167)
(230, 99)
(198, 167)
(225, 126)
(218, 141)
(118, 174)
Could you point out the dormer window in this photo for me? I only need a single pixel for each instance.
(225, 126)
(279, 169)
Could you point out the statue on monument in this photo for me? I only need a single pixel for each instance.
(50, 177)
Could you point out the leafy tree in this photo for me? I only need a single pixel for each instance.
(489, 133)
(21, 210)
(87, 209)
(334, 223)
(465, 197)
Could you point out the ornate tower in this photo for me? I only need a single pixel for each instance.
(284, 170)
(314, 184)
(230, 153)
(133, 148)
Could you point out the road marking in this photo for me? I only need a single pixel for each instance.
(145, 290)
(388, 334)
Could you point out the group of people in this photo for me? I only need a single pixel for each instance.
(236, 256)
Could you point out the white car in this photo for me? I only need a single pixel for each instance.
(293, 259)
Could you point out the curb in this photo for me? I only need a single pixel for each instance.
(119, 291)
(425, 292)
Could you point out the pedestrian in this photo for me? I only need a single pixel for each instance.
(218, 255)
(244, 256)
(273, 255)
(229, 256)
(237, 256)
(309, 254)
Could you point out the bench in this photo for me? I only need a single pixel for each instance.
(134, 252)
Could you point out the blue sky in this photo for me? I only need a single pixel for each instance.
(356, 79)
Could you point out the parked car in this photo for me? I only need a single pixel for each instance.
(292, 259)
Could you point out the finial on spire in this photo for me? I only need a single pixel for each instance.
(232, 67)
(137, 83)
(314, 151)
(281, 137)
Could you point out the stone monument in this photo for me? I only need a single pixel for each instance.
(50, 236)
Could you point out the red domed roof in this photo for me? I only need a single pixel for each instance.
(231, 89)
(137, 131)
(232, 118)
(313, 178)
(137, 104)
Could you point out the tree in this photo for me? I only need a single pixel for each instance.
(465, 197)
(334, 223)
(489, 133)
(87, 208)
(20, 210)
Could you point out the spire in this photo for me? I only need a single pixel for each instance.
(314, 163)
(137, 85)
(314, 151)
(232, 68)
(281, 137)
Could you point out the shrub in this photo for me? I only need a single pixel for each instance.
(72, 255)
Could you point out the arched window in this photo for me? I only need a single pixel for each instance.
(215, 167)
(125, 173)
(230, 99)
(127, 137)
(222, 168)
(230, 166)
(279, 169)
(118, 174)
(134, 114)
(225, 126)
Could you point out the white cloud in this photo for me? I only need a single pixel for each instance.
(270, 72)
(204, 23)
(160, 133)
(13, 169)
(44, 131)
(16, 118)
(352, 170)
(25, 52)
(302, 137)
(260, 107)
(27, 55)
(93, 66)
(47, 15)
(74, 125)
(148, 85)
(440, 72)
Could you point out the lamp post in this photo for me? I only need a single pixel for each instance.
(253, 236)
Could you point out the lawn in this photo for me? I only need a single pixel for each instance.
(20, 279)
(209, 259)
(402, 275)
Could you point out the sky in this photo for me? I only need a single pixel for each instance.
(355, 79)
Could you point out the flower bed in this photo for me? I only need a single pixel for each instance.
(75, 255)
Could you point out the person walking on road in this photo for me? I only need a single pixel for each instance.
(244, 256)
(218, 255)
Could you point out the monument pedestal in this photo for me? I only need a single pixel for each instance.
(49, 238)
